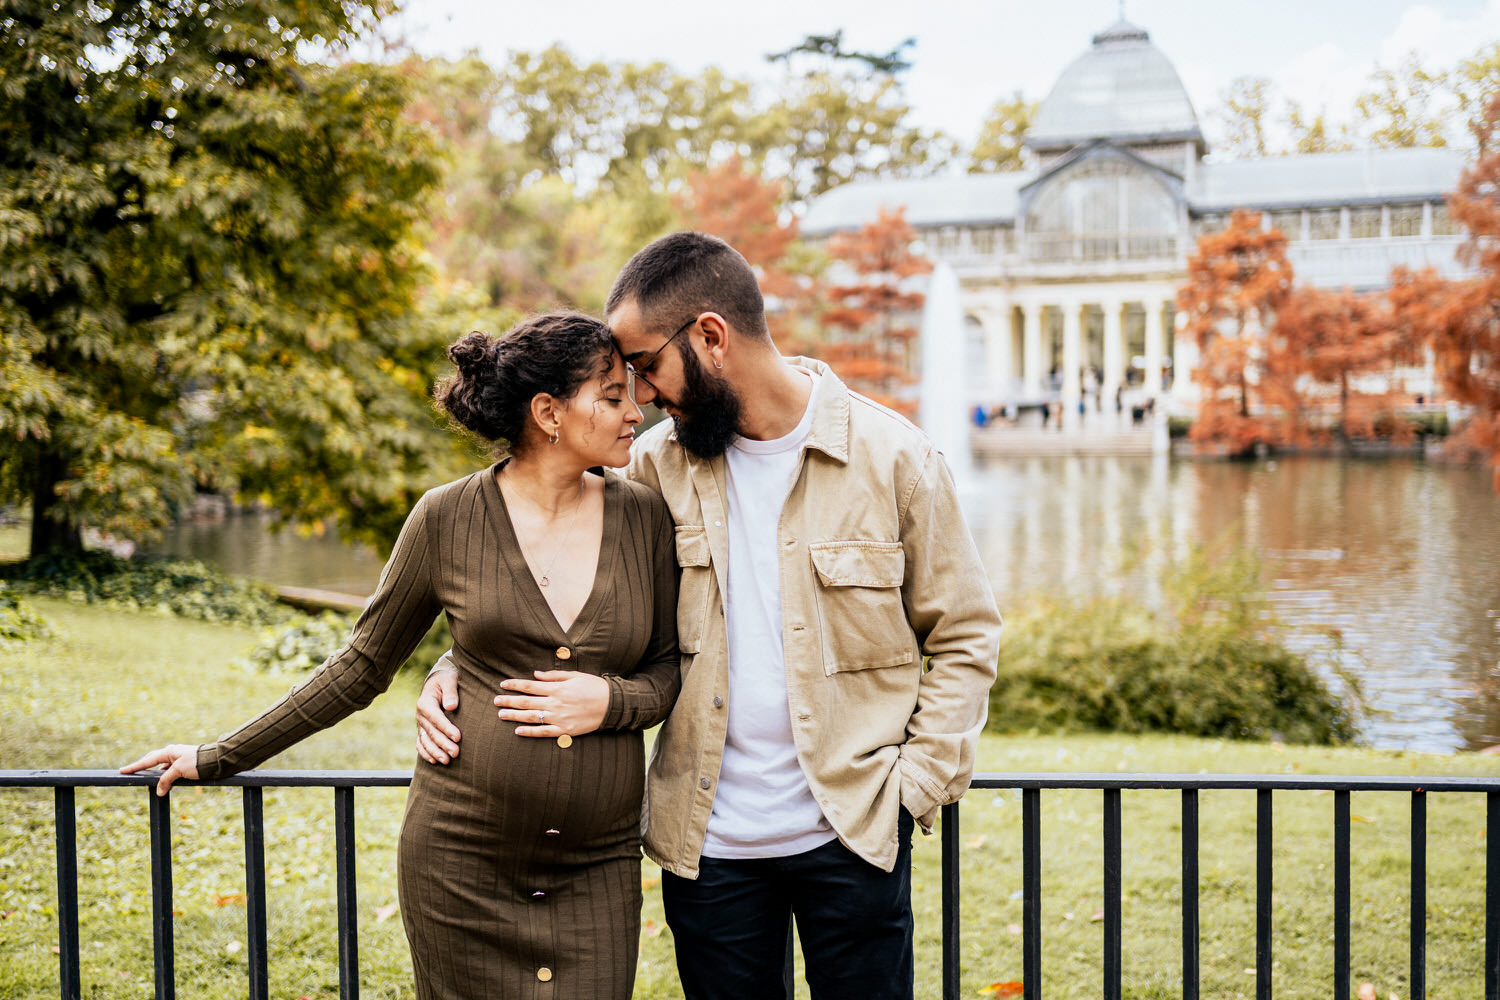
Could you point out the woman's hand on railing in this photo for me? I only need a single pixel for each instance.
(557, 702)
(180, 760)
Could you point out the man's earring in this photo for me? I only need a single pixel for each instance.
(719, 364)
(554, 439)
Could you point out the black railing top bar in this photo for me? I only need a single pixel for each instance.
(253, 779)
(988, 779)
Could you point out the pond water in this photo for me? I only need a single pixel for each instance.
(1400, 557)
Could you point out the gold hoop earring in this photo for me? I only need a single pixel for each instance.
(554, 439)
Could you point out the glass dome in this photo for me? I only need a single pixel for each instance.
(1123, 87)
(1102, 209)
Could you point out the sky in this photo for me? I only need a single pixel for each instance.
(969, 53)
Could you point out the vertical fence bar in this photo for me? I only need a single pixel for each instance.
(255, 891)
(1263, 894)
(65, 819)
(1418, 894)
(951, 922)
(161, 894)
(343, 833)
(1492, 896)
(1341, 893)
(1190, 894)
(1112, 970)
(1031, 893)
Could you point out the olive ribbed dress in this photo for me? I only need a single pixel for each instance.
(519, 862)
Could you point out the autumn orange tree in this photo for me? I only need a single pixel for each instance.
(1322, 343)
(1237, 280)
(1460, 320)
(870, 318)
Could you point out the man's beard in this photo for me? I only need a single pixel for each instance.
(708, 412)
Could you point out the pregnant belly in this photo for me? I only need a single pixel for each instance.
(511, 786)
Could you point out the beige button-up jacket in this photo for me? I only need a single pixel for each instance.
(878, 571)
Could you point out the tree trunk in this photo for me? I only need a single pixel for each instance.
(1344, 411)
(50, 536)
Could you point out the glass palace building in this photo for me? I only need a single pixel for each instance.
(1069, 270)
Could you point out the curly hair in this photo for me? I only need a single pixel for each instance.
(497, 377)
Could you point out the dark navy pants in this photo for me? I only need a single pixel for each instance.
(732, 925)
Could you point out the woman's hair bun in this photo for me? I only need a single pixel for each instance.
(497, 377)
(474, 353)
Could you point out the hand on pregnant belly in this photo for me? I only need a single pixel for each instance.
(555, 702)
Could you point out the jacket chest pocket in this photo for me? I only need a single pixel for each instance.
(863, 622)
(694, 587)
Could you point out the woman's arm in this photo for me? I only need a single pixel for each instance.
(644, 698)
(390, 627)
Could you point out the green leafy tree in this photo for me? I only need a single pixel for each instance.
(1002, 137)
(1313, 133)
(1403, 107)
(841, 116)
(207, 276)
(1243, 114)
(1474, 82)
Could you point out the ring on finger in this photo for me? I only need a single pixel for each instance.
(541, 718)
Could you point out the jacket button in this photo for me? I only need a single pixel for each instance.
(564, 653)
(565, 741)
(703, 783)
(544, 974)
(718, 702)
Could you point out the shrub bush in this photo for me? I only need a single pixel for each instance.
(18, 623)
(184, 587)
(1205, 667)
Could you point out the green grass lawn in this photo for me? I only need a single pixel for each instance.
(112, 684)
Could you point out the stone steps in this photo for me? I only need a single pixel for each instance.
(1009, 441)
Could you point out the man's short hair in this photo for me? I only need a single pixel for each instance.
(681, 274)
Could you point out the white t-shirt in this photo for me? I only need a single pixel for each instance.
(763, 807)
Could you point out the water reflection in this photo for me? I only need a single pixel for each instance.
(1401, 557)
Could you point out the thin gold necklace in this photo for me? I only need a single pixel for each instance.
(544, 580)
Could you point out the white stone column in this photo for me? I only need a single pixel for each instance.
(1184, 360)
(1033, 368)
(1156, 348)
(1114, 359)
(1000, 367)
(1072, 388)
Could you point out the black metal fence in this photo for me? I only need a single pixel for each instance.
(1031, 786)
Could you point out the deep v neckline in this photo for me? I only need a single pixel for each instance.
(528, 588)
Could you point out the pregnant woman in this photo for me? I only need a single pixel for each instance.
(519, 863)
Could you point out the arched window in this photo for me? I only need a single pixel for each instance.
(1104, 209)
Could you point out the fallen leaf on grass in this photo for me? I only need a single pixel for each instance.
(55, 950)
(1357, 819)
(385, 913)
(233, 899)
(1013, 928)
(1366, 991)
(1096, 916)
(976, 842)
(653, 929)
(232, 947)
(649, 883)
(6, 913)
(1010, 988)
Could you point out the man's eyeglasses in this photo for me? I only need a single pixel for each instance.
(638, 370)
